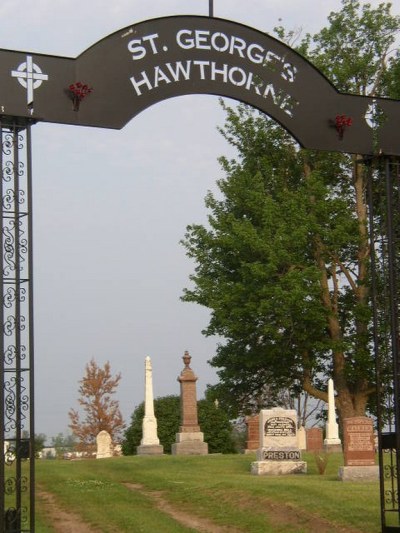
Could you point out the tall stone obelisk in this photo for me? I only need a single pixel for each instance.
(189, 440)
(150, 444)
(332, 441)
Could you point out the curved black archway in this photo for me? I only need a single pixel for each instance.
(106, 86)
(151, 61)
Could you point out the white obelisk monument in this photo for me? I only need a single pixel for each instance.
(332, 441)
(150, 444)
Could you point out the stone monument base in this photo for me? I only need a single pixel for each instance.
(333, 448)
(150, 449)
(278, 468)
(103, 455)
(359, 473)
(189, 444)
(333, 445)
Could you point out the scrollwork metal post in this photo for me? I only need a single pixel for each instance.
(16, 402)
(384, 221)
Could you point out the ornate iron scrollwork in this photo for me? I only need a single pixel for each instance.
(391, 498)
(16, 390)
(390, 471)
(384, 222)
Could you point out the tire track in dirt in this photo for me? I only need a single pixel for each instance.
(281, 514)
(61, 520)
(202, 525)
(278, 515)
(65, 521)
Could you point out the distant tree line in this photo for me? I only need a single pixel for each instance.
(214, 423)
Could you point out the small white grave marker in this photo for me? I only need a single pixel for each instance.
(104, 445)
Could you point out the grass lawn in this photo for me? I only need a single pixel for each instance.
(215, 487)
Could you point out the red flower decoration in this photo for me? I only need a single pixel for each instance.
(341, 123)
(78, 91)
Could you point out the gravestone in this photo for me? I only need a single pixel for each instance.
(253, 433)
(332, 441)
(279, 452)
(104, 445)
(150, 443)
(359, 450)
(189, 440)
(314, 439)
(301, 438)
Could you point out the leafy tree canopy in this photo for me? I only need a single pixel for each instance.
(63, 444)
(283, 264)
(167, 413)
(214, 423)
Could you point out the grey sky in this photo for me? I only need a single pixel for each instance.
(111, 206)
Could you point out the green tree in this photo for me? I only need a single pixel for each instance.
(267, 396)
(167, 413)
(63, 444)
(213, 422)
(133, 434)
(40, 441)
(216, 426)
(284, 262)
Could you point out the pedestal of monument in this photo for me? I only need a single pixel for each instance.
(150, 449)
(333, 445)
(150, 444)
(359, 473)
(278, 462)
(189, 443)
(189, 440)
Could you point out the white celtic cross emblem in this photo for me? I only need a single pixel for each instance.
(29, 76)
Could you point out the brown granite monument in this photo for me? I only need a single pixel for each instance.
(253, 433)
(359, 450)
(314, 439)
(189, 440)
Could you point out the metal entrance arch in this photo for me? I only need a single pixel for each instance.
(106, 86)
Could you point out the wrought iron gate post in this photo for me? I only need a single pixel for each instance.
(16, 403)
(384, 222)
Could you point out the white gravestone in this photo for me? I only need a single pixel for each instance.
(104, 445)
(332, 440)
(301, 438)
(150, 444)
(279, 452)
